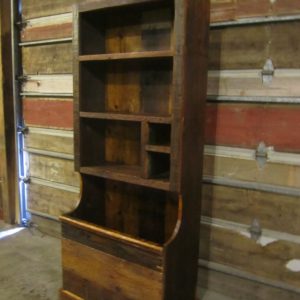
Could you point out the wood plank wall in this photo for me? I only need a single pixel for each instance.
(242, 112)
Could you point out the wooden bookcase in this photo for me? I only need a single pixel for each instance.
(140, 76)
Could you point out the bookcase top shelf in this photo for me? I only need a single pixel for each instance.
(127, 55)
(125, 173)
(126, 117)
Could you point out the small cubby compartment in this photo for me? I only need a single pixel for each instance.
(159, 134)
(135, 87)
(143, 213)
(158, 165)
(127, 29)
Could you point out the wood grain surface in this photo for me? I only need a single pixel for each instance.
(95, 268)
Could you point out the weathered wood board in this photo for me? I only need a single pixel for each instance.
(50, 141)
(236, 288)
(271, 260)
(96, 268)
(48, 113)
(48, 84)
(53, 169)
(221, 10)
(236, 48)
(246, 125)
(240, 125)
(220, 83)
(47, 59)
(36, 8)
(51, 201)
(239, 205)
(249, 170)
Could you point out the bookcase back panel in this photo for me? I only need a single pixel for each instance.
(127, 29)
(104, 141)
(122, 143)
(127, 87)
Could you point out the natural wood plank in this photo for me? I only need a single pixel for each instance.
(125, 56)
(232, 248)
(221, 10)
(48, 113)
(49, 142)
(276, 125)
(9, 184)
(96, 269)
(246, 125)
(249, 83)
(220, 83)
(36, 8)
(230, 48)
(137, 252)
(286, 7)
(48, 200)
(158, 149)
(47, 59)
(127, 117)
(66, 295)
(53, 169)
(239, 205)
(285, 43)
(124, 173)
(47, 84)
(248, 170)
(47, 32)
(233, 287)
(239, 47)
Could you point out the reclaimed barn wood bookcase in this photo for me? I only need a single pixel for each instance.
(140, 76)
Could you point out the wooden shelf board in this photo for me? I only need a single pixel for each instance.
(158, 149)
(127, 55)
(126, 117)
(125, 173)
(112, 234)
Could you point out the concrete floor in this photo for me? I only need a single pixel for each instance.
(29, 266)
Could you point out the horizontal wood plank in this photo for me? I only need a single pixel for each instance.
(221, 10)
(49, 142)
(53, 169)
(235, 287)
(48, 113)
(95, 268)
(47, 59)
(229, 83)
(47, 32)
(51, 201)
(241, 47)
(36, 8)
(234, 249)
(241, 125)
(249, 170)
(239, 205)
(246, 126)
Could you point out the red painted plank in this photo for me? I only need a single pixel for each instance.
(47, 32)
(246, 126)
(48, 113)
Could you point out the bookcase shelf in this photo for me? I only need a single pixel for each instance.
(127, 56)
(127, 117)
(125, 173)
(139, 100)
